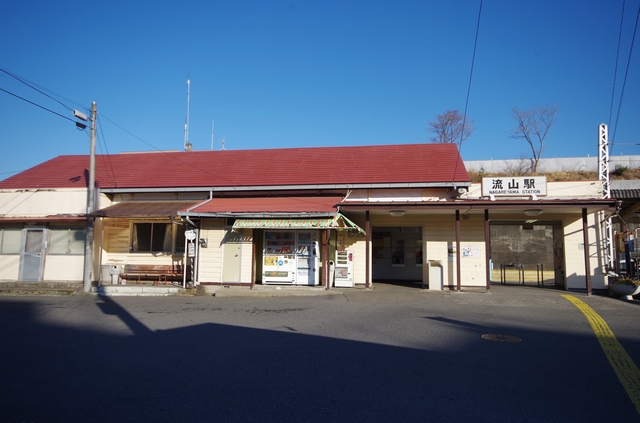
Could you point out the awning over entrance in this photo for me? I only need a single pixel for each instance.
(338, 222)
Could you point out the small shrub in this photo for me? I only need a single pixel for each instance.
(620, 170)
(625, 281)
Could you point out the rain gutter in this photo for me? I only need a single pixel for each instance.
(289, 187)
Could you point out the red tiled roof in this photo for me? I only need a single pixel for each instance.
(270, 205)
(377, 164)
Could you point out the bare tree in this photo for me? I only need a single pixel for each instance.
(451, 127)
(533, 127)
(518, 167)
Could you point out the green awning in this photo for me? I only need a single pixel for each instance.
(338, 222)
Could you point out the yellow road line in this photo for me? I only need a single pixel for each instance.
(622, 364)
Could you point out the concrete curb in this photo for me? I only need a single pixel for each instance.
(140, 291)
(221, 291)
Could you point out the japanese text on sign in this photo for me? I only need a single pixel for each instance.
(514, 186)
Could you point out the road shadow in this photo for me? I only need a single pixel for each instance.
(216, 372)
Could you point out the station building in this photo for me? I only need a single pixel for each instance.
(337, 217)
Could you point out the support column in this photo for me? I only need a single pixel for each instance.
(253, 258)
(367, 272)
(585, 236)
(458, 252)
(487, 248)
(324, 252)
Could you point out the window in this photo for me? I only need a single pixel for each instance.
(180, 238)
(10, 240)
(419, 257)
(157, 237)
(397, 253)
(66, 240)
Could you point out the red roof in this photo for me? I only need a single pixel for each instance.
(270, 205)
(377, 164)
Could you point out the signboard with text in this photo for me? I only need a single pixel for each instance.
(514, 186)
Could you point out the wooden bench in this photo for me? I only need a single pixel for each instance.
(158, 273)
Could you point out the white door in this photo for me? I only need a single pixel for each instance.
(32, 254)
(231, 256)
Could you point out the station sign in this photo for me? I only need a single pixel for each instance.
(514, 186)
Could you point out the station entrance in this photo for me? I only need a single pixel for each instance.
(527, 254)
(397, 255)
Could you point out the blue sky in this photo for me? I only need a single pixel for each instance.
(276, 74)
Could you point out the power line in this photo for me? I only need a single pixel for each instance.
(104, 141)
(615, 72)
(37, 105)
(626, 73)
(473, 60)
(466, 105)
(41, 90)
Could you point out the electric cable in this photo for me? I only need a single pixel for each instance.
(83, 127)
(104, 141)
(466, 105)
(626, 73)
(42, 107)
(615, 72)
(41, 90)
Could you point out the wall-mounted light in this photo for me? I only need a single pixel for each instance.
(396, 213)
(533, 212)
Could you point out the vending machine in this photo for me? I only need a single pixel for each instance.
(307, 256)
(344, 269)
(291, 257)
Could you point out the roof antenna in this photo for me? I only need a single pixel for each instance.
(213, 131)
(222, 144)
(187, 144)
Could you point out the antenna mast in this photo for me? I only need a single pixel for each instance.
(213, 131)
(187, 144)
(603, 175)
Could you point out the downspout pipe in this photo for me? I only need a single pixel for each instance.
(197, 246)
(195, 264)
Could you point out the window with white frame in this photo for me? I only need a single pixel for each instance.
(10, 239)
(69, 240)
(157, 237)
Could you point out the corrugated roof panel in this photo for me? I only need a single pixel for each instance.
(625, 193)
(405, 163)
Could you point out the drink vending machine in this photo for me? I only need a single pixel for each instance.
(290, 257)
(344, 269)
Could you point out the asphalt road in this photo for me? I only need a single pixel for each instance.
(393, 354)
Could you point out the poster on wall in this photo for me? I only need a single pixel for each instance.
(398, 252)
(471, 251)
(381, 243)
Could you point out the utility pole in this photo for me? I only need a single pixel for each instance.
(88, 247)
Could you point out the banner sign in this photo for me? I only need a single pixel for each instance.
(514, 186)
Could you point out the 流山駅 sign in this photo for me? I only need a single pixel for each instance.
(514, 186)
